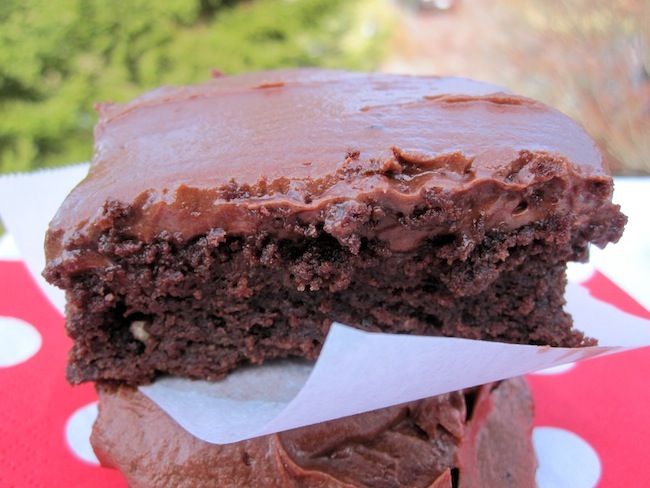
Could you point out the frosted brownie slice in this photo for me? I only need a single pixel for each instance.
(232, 222)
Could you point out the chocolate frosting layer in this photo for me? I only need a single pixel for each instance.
(287, 152)
(475, 438)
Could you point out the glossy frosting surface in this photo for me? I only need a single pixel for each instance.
(216, 155)
(411, 445)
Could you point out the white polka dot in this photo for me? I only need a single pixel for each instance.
(19, 341)
(77, 432)
(562, 368)
(565, 459)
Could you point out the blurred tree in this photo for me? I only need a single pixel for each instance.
(58, 57)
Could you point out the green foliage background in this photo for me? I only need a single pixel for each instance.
(58, 57)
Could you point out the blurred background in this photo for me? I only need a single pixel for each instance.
(589, 58)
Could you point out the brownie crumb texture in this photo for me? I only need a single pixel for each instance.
(200, 308)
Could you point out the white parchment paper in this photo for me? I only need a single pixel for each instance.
(356, 372)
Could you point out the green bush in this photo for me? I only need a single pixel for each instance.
(58, 57)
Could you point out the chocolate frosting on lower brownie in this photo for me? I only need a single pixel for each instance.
(478, 437)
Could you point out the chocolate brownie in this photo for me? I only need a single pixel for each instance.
(477, 437)
(233, 221)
